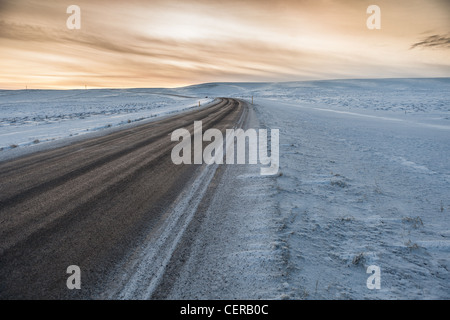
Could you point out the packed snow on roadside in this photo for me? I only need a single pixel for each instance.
(31, 117)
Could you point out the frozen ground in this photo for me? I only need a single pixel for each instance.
(359, 190)
(422, 100)
(412, 95)
(365, 180)
(360, 185)
(31, 117)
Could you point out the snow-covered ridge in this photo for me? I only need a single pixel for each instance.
(410, 95)
(30, 117)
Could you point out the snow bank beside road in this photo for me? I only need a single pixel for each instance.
(358, 191)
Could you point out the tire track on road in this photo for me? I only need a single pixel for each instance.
(91, 203)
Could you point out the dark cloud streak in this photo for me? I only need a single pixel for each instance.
(434, 41)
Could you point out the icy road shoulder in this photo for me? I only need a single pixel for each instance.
(231, 249)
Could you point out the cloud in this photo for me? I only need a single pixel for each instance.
(434, 41)
(177, 42)
(131, 49)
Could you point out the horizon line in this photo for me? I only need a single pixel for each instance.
(225, 82)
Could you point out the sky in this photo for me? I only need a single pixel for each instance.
(168, 43)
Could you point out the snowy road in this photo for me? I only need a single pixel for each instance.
(93, 203)
(364, 180)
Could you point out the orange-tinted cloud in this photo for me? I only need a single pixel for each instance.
(172, 43)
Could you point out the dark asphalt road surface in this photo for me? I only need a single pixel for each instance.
(91, 202)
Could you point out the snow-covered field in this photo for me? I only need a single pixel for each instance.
(31, 117)
(360, 189)
(364, 180)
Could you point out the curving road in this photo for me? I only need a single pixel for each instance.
(91, 203)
